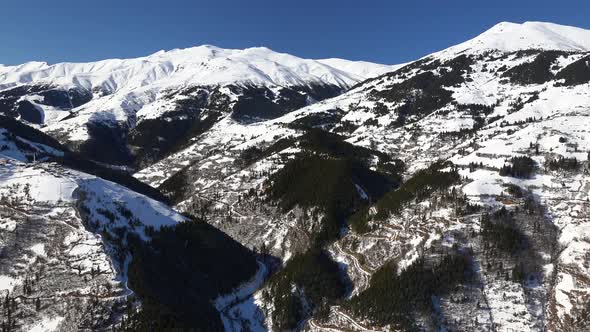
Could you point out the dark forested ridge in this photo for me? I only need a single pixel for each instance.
(393, 298)
(177, 276)
(335, 177)
(318, 281)
(420, 186)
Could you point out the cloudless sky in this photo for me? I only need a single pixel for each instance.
(385, 31)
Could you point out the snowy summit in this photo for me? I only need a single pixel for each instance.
(205, 65)
(511, 37)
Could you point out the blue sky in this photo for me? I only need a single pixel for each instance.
(384, 31)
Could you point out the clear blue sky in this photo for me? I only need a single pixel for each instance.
(384, 31)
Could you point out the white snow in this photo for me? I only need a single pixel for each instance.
(46, 325)
(510, 37)
(37, 182)
(130, 90)
(563, 288)
(203, 65)
(102, 194)
(39, 249)
(360, 68)
(8, 283)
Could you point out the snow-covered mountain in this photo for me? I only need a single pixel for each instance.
(78, 245)
(516, 90)
(81, 103)
(203, 65)
(446, 194)
(512, 37)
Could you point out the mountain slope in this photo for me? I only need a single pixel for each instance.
(479, 105)
(92, 106)
(517, 90)
(512, 37)
(450, 193)
(73, 247)
(205, 65)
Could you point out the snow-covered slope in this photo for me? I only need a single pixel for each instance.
(515, 90)
(274, 179)
(204, 65)
(58, 271)
(84, 104)
(65, 240)
(359, 68)
(511, 37)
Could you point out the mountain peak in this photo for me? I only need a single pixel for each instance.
(511, 37)
(205, 64)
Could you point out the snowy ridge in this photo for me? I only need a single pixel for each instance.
(50, 210)
(126, 91)
(495, 111)
(205, 65)
(360, 68)
(511, 37)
